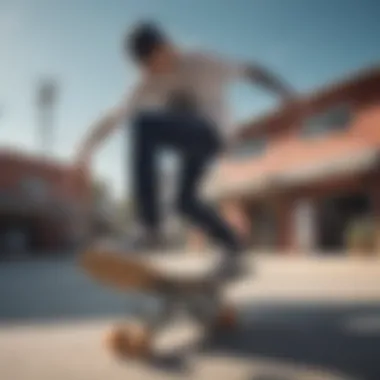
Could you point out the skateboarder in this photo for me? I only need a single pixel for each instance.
(178, 103)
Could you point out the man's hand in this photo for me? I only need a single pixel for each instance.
(83, 157)
(264, 78)
(85, 151)
(292, 106)
(83, 161)
(98, 133)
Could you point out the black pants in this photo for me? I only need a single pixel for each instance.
(197, 143)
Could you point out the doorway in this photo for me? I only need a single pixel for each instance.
(334, 215)
(263, 223)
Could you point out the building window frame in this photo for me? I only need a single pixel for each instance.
(249, 149)
(35, 187)
(335, 118)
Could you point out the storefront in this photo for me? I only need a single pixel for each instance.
(299, 183)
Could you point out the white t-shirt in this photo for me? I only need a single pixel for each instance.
(203, 75)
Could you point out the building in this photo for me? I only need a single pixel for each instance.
(297, 180)
(41, 203)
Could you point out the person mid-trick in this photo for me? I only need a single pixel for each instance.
(179, 104)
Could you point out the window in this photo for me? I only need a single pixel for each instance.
(36, 188)
(250, 148)
(336, 118)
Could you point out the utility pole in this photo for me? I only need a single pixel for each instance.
(46, 101)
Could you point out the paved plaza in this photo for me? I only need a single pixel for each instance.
(300, 318)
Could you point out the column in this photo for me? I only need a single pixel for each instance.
(285, 230)
(304, 225)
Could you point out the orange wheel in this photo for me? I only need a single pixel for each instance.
(226, 318)
(131, 341)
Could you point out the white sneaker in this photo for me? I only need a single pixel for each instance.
(230, 268)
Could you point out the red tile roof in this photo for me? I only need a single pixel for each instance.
(292, 159)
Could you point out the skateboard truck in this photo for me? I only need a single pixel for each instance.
(199, 297)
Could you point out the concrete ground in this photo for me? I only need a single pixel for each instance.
(300, 318)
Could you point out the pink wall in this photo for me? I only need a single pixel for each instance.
(287, 150)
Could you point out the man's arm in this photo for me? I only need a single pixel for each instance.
(255, 73)
(107, 124)
(266, 79)
(98, 132)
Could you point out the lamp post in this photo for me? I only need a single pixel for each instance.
(46, 100)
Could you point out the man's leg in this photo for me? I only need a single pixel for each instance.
(198, 143)
(144, 178)
(204, 215)
(150, 132)
(200, 213)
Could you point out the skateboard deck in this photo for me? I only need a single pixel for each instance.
(175, 278)
(125, 270)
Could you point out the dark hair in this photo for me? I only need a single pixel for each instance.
(144, 39)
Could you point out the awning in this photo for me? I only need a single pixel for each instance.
(250, 186)
(344, 166)
(347, 159)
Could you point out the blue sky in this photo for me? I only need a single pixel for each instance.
(308, 42)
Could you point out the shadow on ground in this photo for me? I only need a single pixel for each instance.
(315, 335)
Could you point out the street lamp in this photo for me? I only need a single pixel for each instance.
(46, 100)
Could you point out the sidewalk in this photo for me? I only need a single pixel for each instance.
(300, 277)
(286, 333)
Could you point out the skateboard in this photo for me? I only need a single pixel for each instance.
(173, 279)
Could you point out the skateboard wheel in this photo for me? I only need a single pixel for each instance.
(226, 318)
(129, 341)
